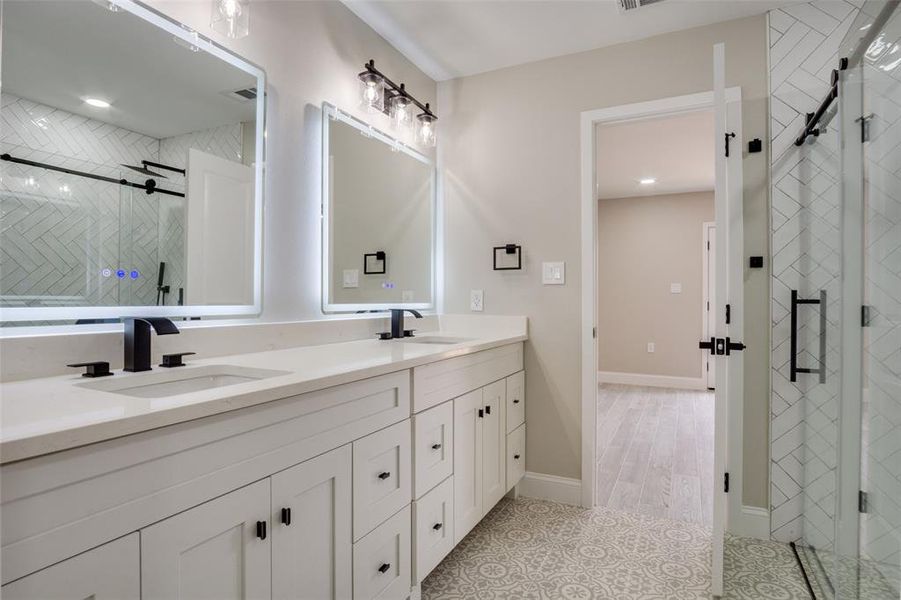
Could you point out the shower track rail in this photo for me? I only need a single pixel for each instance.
(149, 186)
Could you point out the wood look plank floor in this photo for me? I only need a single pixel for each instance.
(655, 452)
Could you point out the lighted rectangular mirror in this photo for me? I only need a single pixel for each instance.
(132, 167)
(378, 226)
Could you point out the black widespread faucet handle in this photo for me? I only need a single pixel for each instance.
(174, 360)
(99, 368)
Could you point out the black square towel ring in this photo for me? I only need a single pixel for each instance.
(377, 257)
(508, 251)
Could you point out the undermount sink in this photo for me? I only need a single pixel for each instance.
(161, 384)
(437, 339)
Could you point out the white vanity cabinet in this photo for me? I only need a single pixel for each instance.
(109, 572)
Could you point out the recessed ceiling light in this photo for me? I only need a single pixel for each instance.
(647, 181)
(97, 102)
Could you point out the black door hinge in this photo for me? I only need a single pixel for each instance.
(865, 315)
(864, 127)
(728, 314)
(863, 502)
(594, 332)
(726, 483)
(728, 137)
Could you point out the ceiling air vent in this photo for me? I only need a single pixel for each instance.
(242, 95)
(627, 5)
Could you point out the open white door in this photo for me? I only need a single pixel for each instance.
(727, 343)
(220, 231)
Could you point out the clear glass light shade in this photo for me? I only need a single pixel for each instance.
(426, 133)
(401, 111)
(372, 92)
(231, 18)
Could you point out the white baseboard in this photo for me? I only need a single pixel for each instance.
(753, 522)
(550, 487)
(685, 383)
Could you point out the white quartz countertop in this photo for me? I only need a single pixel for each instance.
(40, 416)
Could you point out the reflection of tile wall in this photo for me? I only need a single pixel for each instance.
(59, 231)
(804, 42)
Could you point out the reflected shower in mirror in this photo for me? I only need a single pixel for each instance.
(378, 231)
(130, 166)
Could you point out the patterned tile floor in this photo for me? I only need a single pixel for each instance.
(534, 549)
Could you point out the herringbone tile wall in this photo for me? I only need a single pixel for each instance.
(59, 232)
(806, 244)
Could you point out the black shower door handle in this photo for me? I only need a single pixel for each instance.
(793, 365)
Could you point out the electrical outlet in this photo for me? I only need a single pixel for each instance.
(651, 347)
(406, 296)
(476, 300)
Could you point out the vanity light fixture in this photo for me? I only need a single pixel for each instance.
(231, 18)
(377, 92)
(97, 102)
(647, 181)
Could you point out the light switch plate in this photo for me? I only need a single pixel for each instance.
(476, 300)
(553, 273)
(675, 288)
(351, 278)
(406, 296)
(651, 347)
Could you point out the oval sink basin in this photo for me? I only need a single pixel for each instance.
(161, 384)
(437, 339)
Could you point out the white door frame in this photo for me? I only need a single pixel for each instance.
(589, 120)
(708, 234)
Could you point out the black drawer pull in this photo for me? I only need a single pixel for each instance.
(384, 475)
(481, 413)
(516, 401)
(384, 568)
(286, 516)
(436, 446)
(516, 457)
(437, 526)
(261, 530)
(488, 410)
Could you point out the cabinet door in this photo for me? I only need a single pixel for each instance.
(433, 447)
(311, 535)
(468, 417)
(383, 478)
(109, 572)
(494, 444)
(516, 400)
(516, 456)
(212, 551)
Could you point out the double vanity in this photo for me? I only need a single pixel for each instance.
(344, 470)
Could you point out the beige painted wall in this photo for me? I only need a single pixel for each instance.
(510, 153)
(644, 245)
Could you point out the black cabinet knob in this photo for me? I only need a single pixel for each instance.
(436, 446)
(99, 368)
(286, 516)
(261, 530)
(516, 457)
(384, 568)
(437, 526)
(384, 475)
(516, 401)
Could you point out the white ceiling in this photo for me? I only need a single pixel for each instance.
(677, 151)
(66, 50)
(454, 38)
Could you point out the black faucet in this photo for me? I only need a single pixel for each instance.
(137, 340)
(397, 320)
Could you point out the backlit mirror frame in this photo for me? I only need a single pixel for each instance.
(331, 113)
(190, 38)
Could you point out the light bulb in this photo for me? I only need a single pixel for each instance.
(372, 91)
(230, 8)
(230, 17)
(401, 114)
(426, 134)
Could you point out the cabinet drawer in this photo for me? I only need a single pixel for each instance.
(516, 456)
(110, 572)
(382, 476)
(382, 560)
(433, 528)
(433, 447)
(516, 400)
(447, 379)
